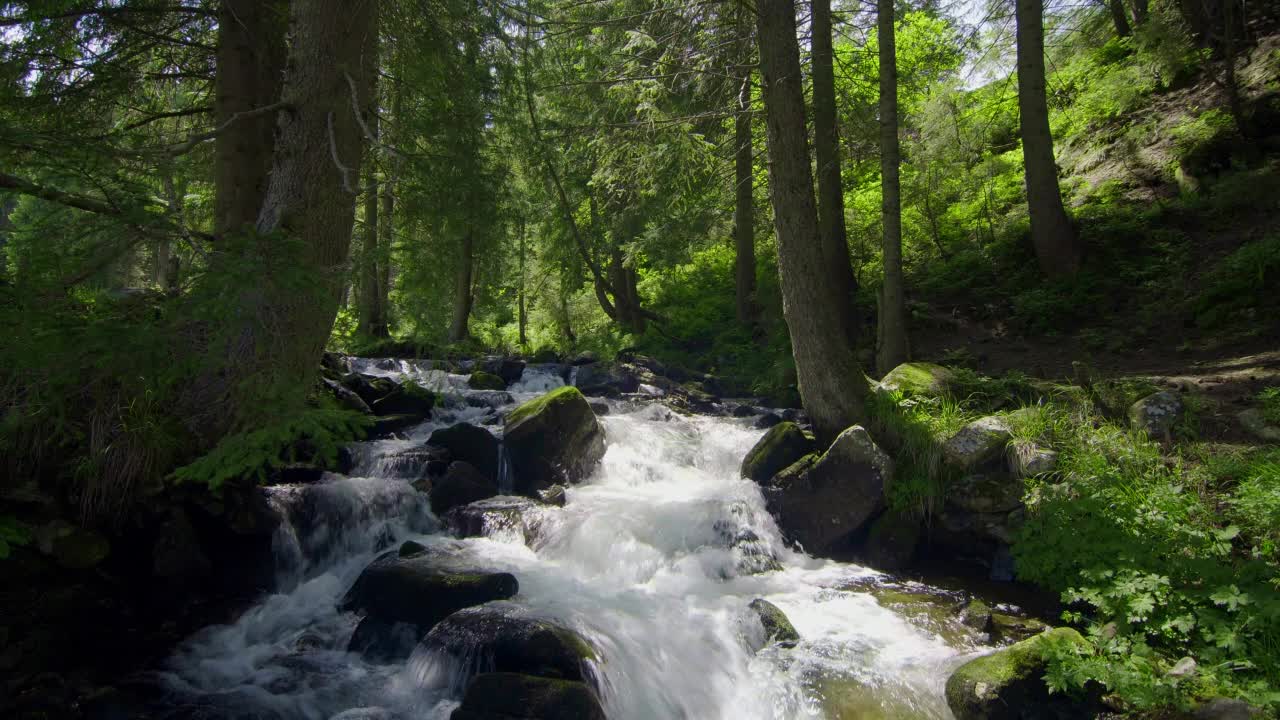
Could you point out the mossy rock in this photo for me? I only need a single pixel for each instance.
(423, 589)
(783, 445)
(511, 696)
(1008, 684)
(472, 444)
(918, 378)
(552, 440)
(512, 640)
(481, 380)
(77, 548)
(977, 443)
(778, 629)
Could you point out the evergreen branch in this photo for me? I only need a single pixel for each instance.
(104, 11)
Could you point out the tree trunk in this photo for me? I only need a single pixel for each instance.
(368, 298)
(1056, 245)
(462, 296)
(523, 317)
(826, 141)
(259, 362)
(386, 228)
(832, 385)
(893, 312)
(166, 263)
(1141, 11)
(1120, 17)
(250, 68)
(744, 238)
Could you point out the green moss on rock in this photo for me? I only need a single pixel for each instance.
(918, 378)
(553, 439)
(1007, 684)
(783, 445)
(777, 626)
(481, 380)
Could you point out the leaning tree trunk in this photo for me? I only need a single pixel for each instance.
(1120, 17)
(1056, 245)
(744, 238)
(893, 313)
(826, 142)
(832, 385)
(1141, 11)
(260, 355)
(250, 67)
(462, 296)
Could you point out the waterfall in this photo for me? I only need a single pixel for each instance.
(654, 561)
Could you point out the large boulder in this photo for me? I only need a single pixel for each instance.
(1026, 459)
(415, 463)
(784, 444)
(421, 590)
(460, 485)
(1008, 684)
(605, 379)
(553, 439)
(387, 397)
(509, 369)
(977, 443)
(777, 627)
(819, 503)
(917, 378)
(994, 492)
(471, 444)
(1156, 414)
(892, 541)
(515, 696)
(505, 637)
(346, 397)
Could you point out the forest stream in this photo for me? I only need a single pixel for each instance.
(651, 561)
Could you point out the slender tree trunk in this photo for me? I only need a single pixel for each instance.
(261, 359)
(1056, 245)
(368, 298)
(744, 238)
(826, 141)
(166, 264)
(893, 312)
(381, 325)
(462, 296)
(832, 385)
(1120, 17)
(1141, 11)
(250, 68)
(523, 317)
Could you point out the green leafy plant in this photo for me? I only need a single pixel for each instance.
(13, 532)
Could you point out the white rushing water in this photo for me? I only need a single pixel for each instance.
(641, 561)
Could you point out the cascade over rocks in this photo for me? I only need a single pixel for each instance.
(553, 439)
(605, 379)
(506, 638)
(481, 380)
(784, 444)
(499, 515)
(515, 696)
(819, 503)
(509, 369)
(471, 444)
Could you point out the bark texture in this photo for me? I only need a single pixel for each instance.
(462, 296)
(832, 385)
(1056, 245)
(250, 71)
(1120, 17)
(744, 238)
(826, 141)
(892, 351)
(370, 310)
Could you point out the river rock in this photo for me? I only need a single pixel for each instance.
(777, 626)
(391, 398)
(423, 589)
(1221, 708)
(605, 379)
(481, 380)
(819, 503)
(461, 484)
(505, 637)
(767, 420)
(1026, 459)
(516, 696)
(994, 492)
(784, 444)
(917, 378)
(585, 357)
(1008, 684)
(379, 640)
(509, 369)
(554, 495)
(977, 443)
(471, 444)
(416, 463)
(497, 516)
(346, 397)
(1156, 414)
(553, 439)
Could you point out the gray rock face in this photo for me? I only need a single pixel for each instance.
(1156, 414)
(1256, 423)
(460, 485)
(509, 369)
(605, 379)
(506, 638)
(471, 444)
(821, 503)
(784, 444)
(994, 492)
(978, 442)
(423, 589)
(554, 439)
(892, 542)
(515, 696)
(1028, 459)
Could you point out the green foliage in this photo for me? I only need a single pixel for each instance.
(13, 533)
(915, 428)
(314, 436)
(1243, 283)
(1269, 401)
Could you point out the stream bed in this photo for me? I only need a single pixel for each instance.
(653, 560)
